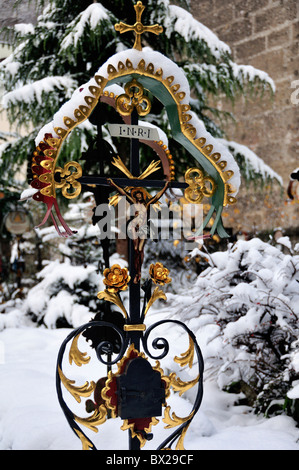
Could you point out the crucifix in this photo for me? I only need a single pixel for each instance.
(138, 227)
(136, 391)
(134, 103)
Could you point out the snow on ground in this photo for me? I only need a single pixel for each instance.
(31, 418)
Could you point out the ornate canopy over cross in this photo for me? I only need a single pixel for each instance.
(138, 27)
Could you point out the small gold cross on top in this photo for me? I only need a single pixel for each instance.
(138, 27)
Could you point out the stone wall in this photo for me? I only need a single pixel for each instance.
(264, 34)
(25, 12)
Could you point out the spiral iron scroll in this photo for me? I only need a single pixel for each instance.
(164, 345)
(103, 349)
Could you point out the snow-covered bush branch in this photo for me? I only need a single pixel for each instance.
(244, 310)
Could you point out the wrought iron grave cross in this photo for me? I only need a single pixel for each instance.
(137, 391)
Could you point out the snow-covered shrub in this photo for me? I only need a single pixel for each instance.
(63, 295)
(244, 310)
(66, 295)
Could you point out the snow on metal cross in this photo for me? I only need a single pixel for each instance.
(138, 28)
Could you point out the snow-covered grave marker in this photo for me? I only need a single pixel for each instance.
(133, 389)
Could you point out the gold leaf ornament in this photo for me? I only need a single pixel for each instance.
(173, 420)
(98, 417)
(179, 385)
(187, 357)
(114, 298)
(77, 392)
(157, 294)
(75, 355)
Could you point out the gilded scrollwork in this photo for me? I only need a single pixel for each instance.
(197, 186)
(86, 443)
(157, 294)
(114, 298)
(172, 420)
(98, 417)
(68, 179)
(187, 357)
(180, 443)
(130, 426)
(77, 392)
(133, 98)
(179, 385)
(75, 355)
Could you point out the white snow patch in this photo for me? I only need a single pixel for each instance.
(24, 28)
(36, 421)
(28, 193)
(93, 15)
(189, 28)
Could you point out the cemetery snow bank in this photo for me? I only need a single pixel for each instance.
(31, 419)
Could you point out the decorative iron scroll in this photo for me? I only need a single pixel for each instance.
(110, 398)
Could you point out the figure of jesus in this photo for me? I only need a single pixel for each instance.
(138, 227)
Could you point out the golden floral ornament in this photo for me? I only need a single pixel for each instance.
(159, 274)
(116, 278)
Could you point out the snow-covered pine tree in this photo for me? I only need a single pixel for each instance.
(72, 39)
